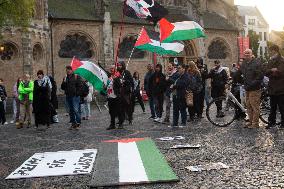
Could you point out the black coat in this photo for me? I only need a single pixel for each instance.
(41, 103)
(157, 84)
(253, 74)
(181, 85)
(72, 85)
(218, 83)
(3, 93)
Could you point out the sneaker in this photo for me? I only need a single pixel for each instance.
(12, 121)
(6, 123)
(152, 117)
(157, 119)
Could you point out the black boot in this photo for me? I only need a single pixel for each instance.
(111, 127)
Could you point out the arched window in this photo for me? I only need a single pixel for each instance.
(218, 50)
(8, 51)
(37, 52)
(75, 45)
(126, 47)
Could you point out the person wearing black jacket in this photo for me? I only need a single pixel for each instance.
(136, 92)
(219, 79)
(179, 92)
(253, 74)
(275, 72)
(157, 84)
(3, 97)
(127, 86)
(54, 101)
(237, 82)
(113, 88)
(72, 85)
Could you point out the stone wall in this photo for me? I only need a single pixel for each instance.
(230, 40)
(93, 32)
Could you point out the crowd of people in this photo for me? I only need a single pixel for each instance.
(183, 88)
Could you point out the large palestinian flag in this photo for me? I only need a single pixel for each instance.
(91, 72)
(145, 9)
(149, 41)
(130, 161)
(178, 31)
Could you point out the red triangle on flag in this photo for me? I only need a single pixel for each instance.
(128, 140)
(166, 29)
(143, 38)
(76, 64)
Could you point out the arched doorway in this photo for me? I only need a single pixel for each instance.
(189, 53)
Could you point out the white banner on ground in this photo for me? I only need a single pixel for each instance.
(56, 163)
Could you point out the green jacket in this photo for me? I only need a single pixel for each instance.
(26, 90)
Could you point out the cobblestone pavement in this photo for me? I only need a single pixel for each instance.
(255, 156)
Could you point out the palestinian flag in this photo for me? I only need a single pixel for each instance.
(91, 72)
(178, 31)
(145, 9)
(130, 161)
(149, 41)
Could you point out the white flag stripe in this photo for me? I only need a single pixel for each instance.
(186, 25)
(96, 70)
(131, 167)
(177, 47)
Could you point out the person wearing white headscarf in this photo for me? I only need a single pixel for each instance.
(41, 101)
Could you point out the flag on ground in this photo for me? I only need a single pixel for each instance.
(91, 72)
(130, 161)
(146, 9)
(149, 41)
(178, 31)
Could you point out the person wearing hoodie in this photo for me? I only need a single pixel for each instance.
(3, 97)
(127, 86)
(26, 88)
(275, 72)
(219, 79)
(157, 84)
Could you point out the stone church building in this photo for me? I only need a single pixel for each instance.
(90, 29)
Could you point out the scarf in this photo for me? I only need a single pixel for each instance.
(45, 81)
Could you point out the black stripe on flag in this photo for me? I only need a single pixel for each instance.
(107, 166)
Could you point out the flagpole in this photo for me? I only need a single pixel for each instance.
(120, 34)
(132, 51)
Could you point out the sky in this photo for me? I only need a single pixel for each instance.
(272, 11)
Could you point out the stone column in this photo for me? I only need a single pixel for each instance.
(27, 53)
(108, 38)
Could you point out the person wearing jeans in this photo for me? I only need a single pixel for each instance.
(148, 91)
(86, 105)
(179, 92)
(72, 85)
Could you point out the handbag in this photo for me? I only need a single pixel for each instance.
(189, 98)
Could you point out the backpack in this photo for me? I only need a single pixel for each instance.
(195, 84)
(85, 90)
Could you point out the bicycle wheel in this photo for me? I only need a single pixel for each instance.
(228, 112)
(265, 111)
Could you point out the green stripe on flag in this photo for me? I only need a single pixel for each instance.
(185, 35)
(156, 167)
(90, 77)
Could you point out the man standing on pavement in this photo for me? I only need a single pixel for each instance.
(26, 88)
(252, 72)
(219, 79)
(148, 91)
(172, 76)
(275, 72)
(72, 85)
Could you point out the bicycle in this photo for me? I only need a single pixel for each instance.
(230, 104)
